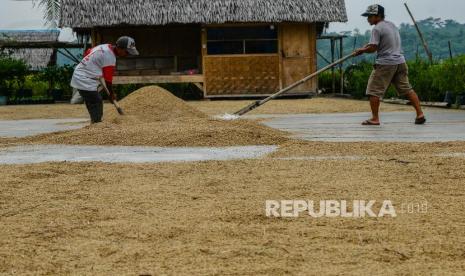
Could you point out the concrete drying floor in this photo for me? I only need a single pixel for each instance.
(120, 154)
(23, 128)
(442, 126)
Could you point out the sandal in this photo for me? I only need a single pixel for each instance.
(370, 123)
(420, 121)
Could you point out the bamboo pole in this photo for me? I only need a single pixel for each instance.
(425, 44)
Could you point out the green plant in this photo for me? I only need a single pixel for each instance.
(125, 89)
(421, 78)
(39, 88)
(356, 79)
(449, 76)
(57, 77)
(12, 75)
(64, 78)
(431, 82)
(325, 81)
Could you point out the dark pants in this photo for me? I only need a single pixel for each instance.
(94, 104)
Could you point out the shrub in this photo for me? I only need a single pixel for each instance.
(431, 82)
(421, 78)
(39, 88)
(356, 79)
(448, 76)
(325, 82)
(125, 89)
(57, 77)
(12, 75)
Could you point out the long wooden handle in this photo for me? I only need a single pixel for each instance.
(292, 86)
(114, 102)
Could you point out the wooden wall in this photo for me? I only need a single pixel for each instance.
(298, 55)
(226, 75)
(173, 40)
(254, 75)
(163, 49)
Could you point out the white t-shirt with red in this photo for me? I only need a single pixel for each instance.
(99, 62)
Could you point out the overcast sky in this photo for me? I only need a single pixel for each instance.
(396, 12)
(22, 14)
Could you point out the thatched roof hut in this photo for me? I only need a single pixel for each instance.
(36, 58)
(90, 13)
(229, 48)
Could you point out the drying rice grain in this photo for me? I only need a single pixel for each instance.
(157, 118)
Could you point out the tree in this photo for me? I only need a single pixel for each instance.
(52, 11)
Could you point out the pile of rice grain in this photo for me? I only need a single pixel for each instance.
(151, 104)
(154, 117)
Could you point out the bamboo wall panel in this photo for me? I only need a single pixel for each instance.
(241, 75)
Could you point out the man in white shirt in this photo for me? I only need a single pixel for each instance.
(390, 67)
(100, 62)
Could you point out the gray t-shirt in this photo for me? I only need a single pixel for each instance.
(387, 37)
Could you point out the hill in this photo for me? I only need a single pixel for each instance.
(437, 32)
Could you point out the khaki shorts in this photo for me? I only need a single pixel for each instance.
(385, 75)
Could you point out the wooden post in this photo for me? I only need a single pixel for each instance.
(333, 72)
(425, 45)
(204, 54)
(53, 62)
(53, 58)
(280, 54)
(341, 66)
(94, 38)
(450, 50)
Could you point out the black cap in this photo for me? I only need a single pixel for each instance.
(374, 10)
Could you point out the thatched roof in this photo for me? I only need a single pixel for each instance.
(35, 58)
(29, 35)
(91, 13)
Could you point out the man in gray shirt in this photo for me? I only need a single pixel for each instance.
(390, 67)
